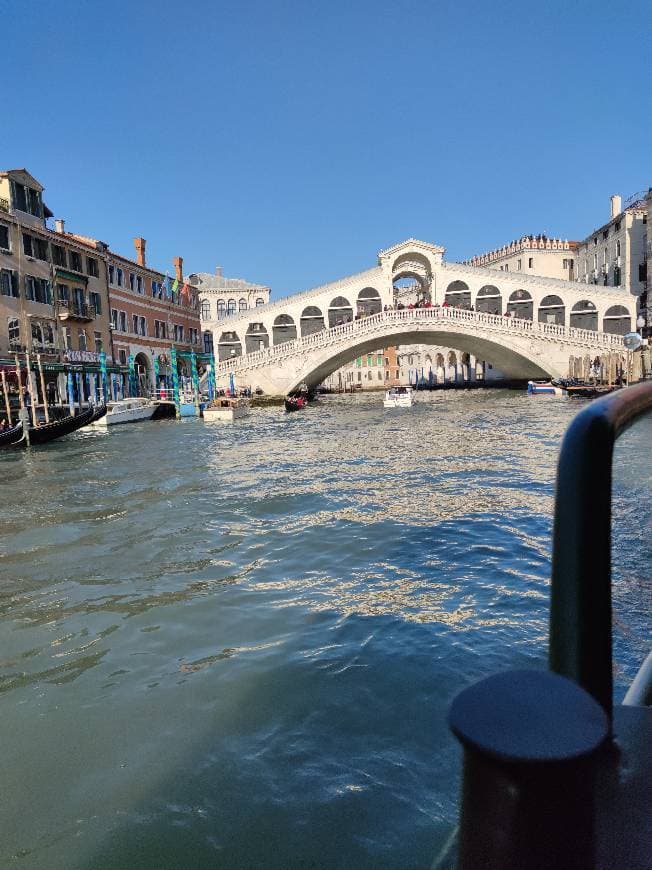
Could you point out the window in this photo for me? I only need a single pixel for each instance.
(114, 318)
(122, 354)
(82, 340)
(26, 199)
(259, 302)
(41, 249)
(618, 247)
(370, 375)
(67, 337)
(605, 234)
(95, 300)
(122, 321)
(38, 290)
(194, 335)
(208, 342)
(358, 361)
(143, 325)
(9, 283)
(119, 277)
(507, 267)
(386, 360)
(99, 347)
(63, 293)
(37, 335)
(359, 376)
(178, 332)
(518, 265)
(111, 274)
(221, 309)
(4, 238)
(564, 264)
(140, 287)
(387, 375)
(160, 329)
(75, 261)
(48, 335)
(380, 376)
(230, 308)
(242, 305)
(617, 227)
(92, 267)
(13, 328)
(59, 256)
(27, 245)
(595, 261)
(530, 263)
(595, 241)
(205, 313)
(132, 281)
(379, 360)
(134, 323)
(396, 374)
(370, 359)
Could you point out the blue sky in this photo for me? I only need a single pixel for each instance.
(290, 141)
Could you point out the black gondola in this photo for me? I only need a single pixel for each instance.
(59, 428)
(294, 403)
(11, 436)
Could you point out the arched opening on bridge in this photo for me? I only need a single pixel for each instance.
(368, 302)
(143, 370)
(256, 337)
(284, 329)
(458, 295)
(584, 315)
(312, 320)
(411, 278)
(339, 311)
(489, 300)
(228, 346)
(617, 320)
(440, 371)
(520, 305)
(466, 366)
(452, 366)
(552, 310)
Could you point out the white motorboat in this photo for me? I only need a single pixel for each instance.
(226, 410)
(398, 397)
(126, 411)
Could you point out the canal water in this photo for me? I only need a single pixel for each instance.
(235, 646)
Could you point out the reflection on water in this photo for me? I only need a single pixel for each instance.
(236, 645)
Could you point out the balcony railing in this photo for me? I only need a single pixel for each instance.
(69, 310)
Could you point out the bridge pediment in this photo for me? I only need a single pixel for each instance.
(434, 253)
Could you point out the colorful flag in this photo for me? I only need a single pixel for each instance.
(175, 287)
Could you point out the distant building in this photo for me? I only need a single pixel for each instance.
(221, 297)
(533, 255)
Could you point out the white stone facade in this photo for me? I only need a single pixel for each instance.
(532, 255)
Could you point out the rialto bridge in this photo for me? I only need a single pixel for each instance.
(305, 337)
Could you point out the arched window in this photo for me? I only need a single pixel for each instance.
(230, 307)
(205, 313)
(339, 311)
(489, 300)
(37, 334)
(552, 310)
(584, 315)
(311, 321)
(242, 305)
(368, 302)
(458, 295)
(284, 329)
(617, 320)
(13, 328)
(259, 302)
(221, 309)
(520, 305)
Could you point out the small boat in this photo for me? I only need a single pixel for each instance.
(295, 403)
(65, 426)
(398, 397)
(11, 436)
(126, 411)
(544, 388)
(226, 410)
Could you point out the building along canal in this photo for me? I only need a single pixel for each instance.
(236, 646)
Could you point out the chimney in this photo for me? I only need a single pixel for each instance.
(616, 206)
(178, 269)
(218, 271)
(59, 225)
(140, 250)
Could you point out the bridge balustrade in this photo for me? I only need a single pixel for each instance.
(378, 323)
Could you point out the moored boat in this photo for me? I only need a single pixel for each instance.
(226, 410)
(544, 388)
(126, 411)
(398, 397)
(58, 428)
(11, 436)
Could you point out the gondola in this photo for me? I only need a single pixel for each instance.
(59, 428)
(294, 403)
(11, 436)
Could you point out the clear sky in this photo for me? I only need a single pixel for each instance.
(291, 141)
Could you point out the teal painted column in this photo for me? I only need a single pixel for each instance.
(194, 374)
(175, 379)
(103, 377)
(132, 376)
(156, 377)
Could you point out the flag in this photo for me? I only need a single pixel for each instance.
(175, 287)
(165, 288)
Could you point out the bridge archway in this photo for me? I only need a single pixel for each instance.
(584, 315)
(452, 366)
(458, 295)
(283, 329)
(552, 310)
(311, 321)
(229, 346)
(368, 302)
(256, 337)
(409, 269)
(339, 311)
(489, 300)
(440, 371)
(520, 305)
(617, 320)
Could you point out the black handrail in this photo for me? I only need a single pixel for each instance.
(580, 610)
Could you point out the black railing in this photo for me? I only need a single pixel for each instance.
(78, 309)
(544, 785)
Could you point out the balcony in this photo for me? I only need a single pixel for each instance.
(76, 311)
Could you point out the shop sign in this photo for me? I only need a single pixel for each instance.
(81, 356)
